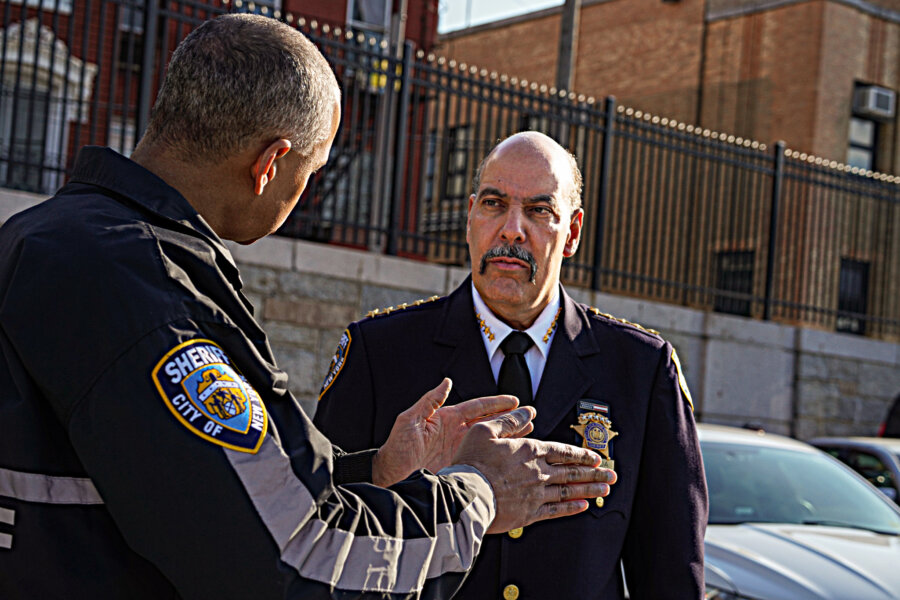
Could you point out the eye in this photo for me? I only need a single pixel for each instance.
(544, 211)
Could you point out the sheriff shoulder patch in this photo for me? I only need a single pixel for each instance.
(206, 393)
(337, 362)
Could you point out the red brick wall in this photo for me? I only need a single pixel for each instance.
(785, 73)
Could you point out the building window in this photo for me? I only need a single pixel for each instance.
(64, 6)
(734, 282)
(862, 141)
(371, 15)
(131, 34)
(121, 135)
(535, 122)
(456, 165)
(23, 134)
(853, 294)
(34, 121)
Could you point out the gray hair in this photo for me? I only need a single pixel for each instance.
(577, 180)
(239, 79)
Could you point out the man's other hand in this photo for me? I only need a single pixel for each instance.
(532, 480)
(428, 434)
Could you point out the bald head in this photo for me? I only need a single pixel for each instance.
(536, 145)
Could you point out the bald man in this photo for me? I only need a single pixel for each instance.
(603, 383)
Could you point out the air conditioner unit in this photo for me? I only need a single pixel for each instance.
(875, 102)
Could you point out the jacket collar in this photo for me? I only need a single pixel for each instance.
(133, 184)
(468, 365)
(566, 378)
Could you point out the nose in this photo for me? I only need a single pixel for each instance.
(513, 229)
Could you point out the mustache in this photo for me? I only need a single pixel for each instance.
(507, 251)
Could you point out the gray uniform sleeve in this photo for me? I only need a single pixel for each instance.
(260, 514)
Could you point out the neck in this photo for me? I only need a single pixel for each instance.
(515, 315)
(204, 185)
(520, 320)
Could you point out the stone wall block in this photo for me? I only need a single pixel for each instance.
(849, 409)
(879, 380)
(402, 273)
(309, 403)
(812, 366)
(842, 368)
(257, 302)
(298, 363)
(309, 312)
(259, 279)
(748, 380)
(319, 287)
(872, 412)
(283, 333)
(272, 251)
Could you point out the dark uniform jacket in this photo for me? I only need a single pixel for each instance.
(655, 516)
(149, 447)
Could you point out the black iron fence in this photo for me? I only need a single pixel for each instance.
(674, 213)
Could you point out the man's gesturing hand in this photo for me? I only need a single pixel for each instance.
(427, 434)
(532, 480)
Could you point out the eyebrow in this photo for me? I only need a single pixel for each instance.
(490, 191)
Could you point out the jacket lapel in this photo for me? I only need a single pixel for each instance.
(565, 378)
(468, 364)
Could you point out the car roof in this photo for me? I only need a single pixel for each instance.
(749, 437)
(891, 444)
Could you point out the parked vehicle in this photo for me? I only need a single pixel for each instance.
(890, 427)
(877, 459)
(789, 522)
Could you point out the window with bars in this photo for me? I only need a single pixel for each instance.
(371, 15)
(862, 141)
(456, 164)
(734, 282)
(853, 294)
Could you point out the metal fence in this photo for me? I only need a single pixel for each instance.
(672, 212)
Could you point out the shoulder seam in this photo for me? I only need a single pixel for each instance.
(380, 312)
(597, 312)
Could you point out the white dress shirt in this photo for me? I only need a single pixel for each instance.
(494, 331)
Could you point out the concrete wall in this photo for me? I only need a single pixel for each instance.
(789, 379)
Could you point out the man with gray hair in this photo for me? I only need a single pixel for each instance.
(149, 446)
(613, 386)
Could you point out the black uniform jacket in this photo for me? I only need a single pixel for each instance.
(149, 447)
(655, 516)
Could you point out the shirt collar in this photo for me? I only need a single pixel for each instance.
(494, 331)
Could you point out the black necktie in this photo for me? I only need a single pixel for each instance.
(514, 377)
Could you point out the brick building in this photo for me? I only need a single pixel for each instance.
(821, 75)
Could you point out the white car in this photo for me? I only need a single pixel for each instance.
(789, 522)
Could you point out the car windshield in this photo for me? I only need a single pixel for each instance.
(772, 485)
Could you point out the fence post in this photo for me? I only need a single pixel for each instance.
(777, 182)
(609, 128)
(399, 164)
(145, 89)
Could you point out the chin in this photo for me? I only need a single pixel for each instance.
(506, 290)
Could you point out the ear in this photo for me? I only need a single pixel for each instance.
(574, 236)
(263, 169)
(469, 216)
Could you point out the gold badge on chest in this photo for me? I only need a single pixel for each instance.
(595, 428)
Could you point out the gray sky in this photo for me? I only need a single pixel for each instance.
(457, 14)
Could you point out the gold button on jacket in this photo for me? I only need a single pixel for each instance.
(510, 592)
(516, 533)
